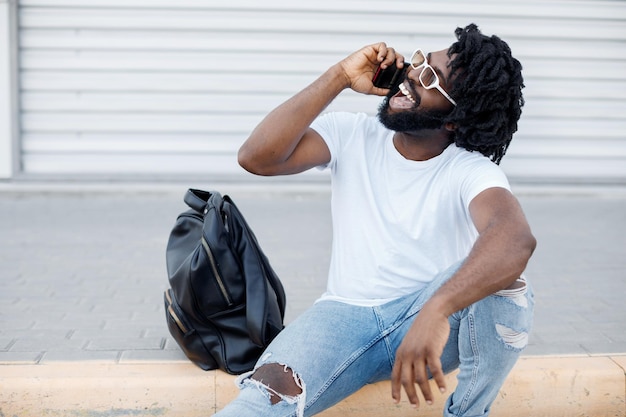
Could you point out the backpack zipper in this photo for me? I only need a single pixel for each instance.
(173, 314)
(218, 277)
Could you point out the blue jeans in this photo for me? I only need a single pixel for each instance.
(334, 349)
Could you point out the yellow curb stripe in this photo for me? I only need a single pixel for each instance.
(538, 386)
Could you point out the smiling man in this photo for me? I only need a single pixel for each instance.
(429, 243)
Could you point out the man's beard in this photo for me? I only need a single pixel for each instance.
(410, 120)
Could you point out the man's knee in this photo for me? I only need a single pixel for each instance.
(515, 336)
(279, 380)
(516, 292)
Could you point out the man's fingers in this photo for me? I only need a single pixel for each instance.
(382, 51)
(402, 376)
(408, 382)
(421, 378)
(437, 373)
(386, 55)
(396, 384)
(409, 372)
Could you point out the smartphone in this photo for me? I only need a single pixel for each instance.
(390, 77)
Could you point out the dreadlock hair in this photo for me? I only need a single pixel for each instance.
(488, 91)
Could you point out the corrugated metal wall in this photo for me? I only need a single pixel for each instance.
(121, 88)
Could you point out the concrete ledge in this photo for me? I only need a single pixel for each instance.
(591, 386)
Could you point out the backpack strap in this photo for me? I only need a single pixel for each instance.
(265, 297)
(197, 199)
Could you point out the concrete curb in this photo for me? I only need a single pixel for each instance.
(552, 386)
(275, 185)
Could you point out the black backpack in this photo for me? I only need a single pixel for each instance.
(226, 303)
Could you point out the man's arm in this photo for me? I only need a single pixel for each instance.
(497, 259)
(283, 143)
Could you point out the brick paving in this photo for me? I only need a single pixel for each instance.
(83, 268)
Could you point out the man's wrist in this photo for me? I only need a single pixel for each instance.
(437, 305)
(338, 76)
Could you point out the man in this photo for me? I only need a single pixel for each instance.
(429, 244)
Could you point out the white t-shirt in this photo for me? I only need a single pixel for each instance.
(396, 222)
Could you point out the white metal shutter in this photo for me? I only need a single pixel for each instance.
(127, 88)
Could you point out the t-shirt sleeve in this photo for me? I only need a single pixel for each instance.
(482, 174)
(336, 128)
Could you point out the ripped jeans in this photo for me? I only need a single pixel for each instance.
(334, 349)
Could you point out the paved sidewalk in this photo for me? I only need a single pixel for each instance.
(83, 267)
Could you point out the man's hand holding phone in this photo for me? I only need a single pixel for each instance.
(360, 67)
(390, 77)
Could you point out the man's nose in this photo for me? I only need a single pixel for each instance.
(415, 74)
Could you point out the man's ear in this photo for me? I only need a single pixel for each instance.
(451, 127)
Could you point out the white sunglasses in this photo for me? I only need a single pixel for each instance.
(428, 77)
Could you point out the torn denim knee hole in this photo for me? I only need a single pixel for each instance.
(268, 392)
(513, 338)
(516, 295)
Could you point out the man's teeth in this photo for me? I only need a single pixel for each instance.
(407, 93)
